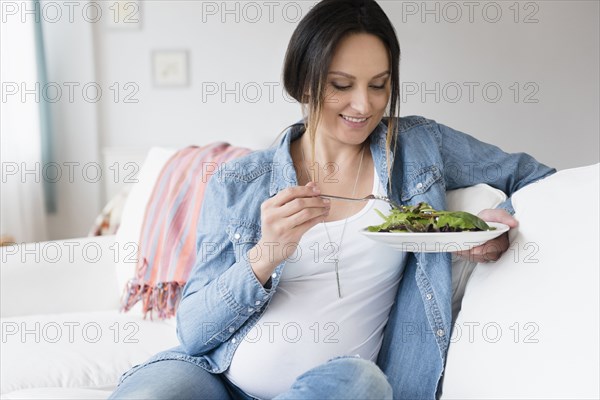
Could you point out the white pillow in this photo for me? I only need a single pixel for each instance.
(472, 199)
(529, 324)
(128, 234)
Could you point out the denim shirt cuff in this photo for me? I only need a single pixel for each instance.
(241, 290)
(507, 205)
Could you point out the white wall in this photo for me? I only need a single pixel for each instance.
(249, 55)
(553, 61)
(551, 52)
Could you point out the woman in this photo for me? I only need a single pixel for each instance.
(287, 299)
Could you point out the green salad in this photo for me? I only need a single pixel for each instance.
(423, 218)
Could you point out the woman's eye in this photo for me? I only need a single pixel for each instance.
(339, 87)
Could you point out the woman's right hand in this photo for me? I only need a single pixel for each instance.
(285, 217)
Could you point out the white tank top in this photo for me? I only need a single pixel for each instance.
(306, 323)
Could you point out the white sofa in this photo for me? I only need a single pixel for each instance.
(528, 328)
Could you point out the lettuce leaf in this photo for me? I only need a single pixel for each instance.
(423, 218)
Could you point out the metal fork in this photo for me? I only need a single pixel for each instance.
(366, 198)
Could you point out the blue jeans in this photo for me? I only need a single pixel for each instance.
(339, 378)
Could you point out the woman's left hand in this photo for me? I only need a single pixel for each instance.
(492, 249)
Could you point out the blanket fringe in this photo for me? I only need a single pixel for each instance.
(162, 298)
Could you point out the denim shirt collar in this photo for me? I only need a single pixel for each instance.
(283, 174)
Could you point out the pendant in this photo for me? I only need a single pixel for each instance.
(337, 278)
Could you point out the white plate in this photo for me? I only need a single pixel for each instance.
(436, 242)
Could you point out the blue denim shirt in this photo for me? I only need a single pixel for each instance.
(223, 299)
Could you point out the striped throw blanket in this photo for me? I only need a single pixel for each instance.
(167, 244)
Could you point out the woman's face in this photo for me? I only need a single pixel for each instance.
(358, 89)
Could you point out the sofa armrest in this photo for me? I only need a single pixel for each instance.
(70, 275)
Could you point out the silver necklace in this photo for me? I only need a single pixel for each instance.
(337, 256)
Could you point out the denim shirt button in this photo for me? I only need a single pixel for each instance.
(274, 275)
(440, 332)
(257, 303)
(429, 296)
(237, 236)
(419, 185)
(233, 340)
(250, 309)
(231, 329)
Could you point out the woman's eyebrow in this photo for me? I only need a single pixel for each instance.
(353, 77)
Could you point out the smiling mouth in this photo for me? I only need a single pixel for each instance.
(354, 119)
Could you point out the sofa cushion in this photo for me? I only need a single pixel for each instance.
(58, 394)
(529, 324)
(79, 350)
(70, 275)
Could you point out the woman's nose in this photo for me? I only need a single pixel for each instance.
(360, 101)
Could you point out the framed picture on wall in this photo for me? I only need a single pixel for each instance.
(170, 68)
